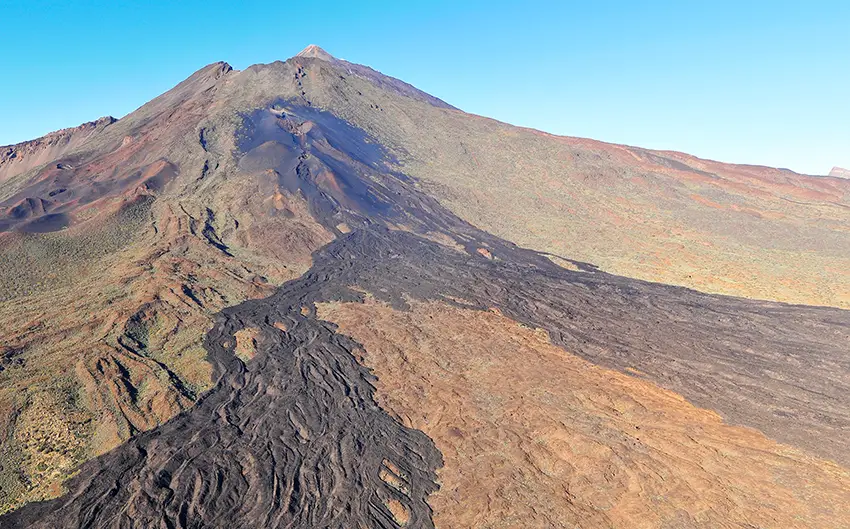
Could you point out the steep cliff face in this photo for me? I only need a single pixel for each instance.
(183, 291)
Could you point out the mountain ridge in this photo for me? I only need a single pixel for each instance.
(25, 155)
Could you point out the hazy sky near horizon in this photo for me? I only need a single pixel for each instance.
(761, 82)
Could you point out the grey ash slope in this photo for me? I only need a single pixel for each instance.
(377, 78)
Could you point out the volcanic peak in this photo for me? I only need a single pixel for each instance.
(315, 52)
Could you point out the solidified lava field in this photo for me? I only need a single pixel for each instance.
(293, 437)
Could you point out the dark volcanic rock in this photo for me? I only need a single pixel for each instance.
(294, 438)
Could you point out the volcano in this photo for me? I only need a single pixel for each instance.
(306, 294)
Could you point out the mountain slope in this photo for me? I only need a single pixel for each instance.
(159, 280)
(17, 159)
(661, 216)
(103, 320)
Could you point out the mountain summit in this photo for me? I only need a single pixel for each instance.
(308, 294)
(315, 52)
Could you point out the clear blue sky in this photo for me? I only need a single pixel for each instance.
(764, 82)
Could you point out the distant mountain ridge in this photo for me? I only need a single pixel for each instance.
(840, 172)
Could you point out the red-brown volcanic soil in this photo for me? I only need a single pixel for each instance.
(533, 436)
